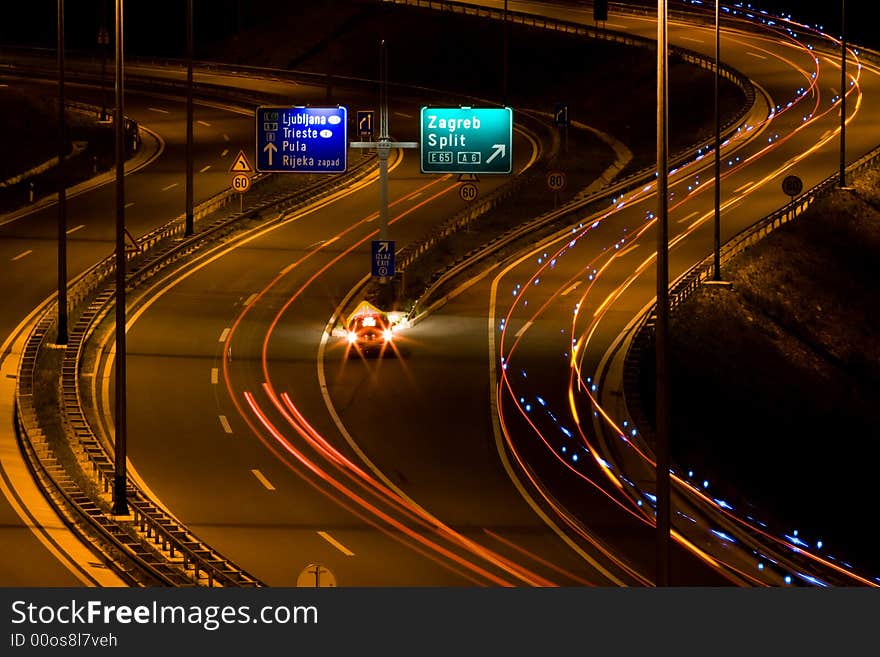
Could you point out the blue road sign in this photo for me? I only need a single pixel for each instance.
(365, 123)
(383, 257)
(302, 139)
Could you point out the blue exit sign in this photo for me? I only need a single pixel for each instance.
(302, 139)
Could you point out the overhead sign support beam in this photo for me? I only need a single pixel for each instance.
(383, 146)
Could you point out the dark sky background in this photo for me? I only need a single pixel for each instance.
(158, 27)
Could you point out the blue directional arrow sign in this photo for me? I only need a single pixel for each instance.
(466, 140)
(302, 139)
(382, 257)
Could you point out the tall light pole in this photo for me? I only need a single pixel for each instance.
(120, 499)
(505, 55)
(188, 227)
(662, 320)
(843, 93)
(717, 272)
(62, 190)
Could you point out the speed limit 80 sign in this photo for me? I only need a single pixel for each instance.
(556, 180)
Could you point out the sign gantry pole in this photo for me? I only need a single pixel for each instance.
(383, 146)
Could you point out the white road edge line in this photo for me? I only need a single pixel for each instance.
(171, 186)
(262, 479)
(75, 228)
(23, 254)
(204, 168)
(224, 334)
(215, 375)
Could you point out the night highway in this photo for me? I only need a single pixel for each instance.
(489, 443)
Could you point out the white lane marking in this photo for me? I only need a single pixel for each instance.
(225, 152)
(215, 375)
(406, 116)
(625, 251)
(318, 243)
(691, 39)
(524, 328)
(606, 24)
(416, 195)
(754, 54)
(224, 334)
(156, 109)
(23, 254)
(739, 189)
(692, 214)
(128, 205)
(204, 168)
(171, 186)
(225, 136)
(571, 289)
(225, 424)
(4, 85)
(339, 546)
(75, 228)
(204, 123)
(262, 479)
(250, 299)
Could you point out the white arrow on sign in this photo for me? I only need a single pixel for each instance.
(499, 150)
(270, 148)
(383, 247)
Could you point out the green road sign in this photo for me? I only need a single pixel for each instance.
(467, 140)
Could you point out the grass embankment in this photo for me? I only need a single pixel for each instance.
(29, 134)
(775, 384)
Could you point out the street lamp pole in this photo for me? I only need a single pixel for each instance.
(62, 190)
(843, 93)
(717, 268)
(662, 319)
(120, 501)
(188, 228)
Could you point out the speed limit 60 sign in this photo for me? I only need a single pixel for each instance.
(556, 180)
(241, 182)
(468, 192)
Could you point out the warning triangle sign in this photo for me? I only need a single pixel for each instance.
(240, 164)
(468, 177)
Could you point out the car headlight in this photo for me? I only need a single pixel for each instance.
(387, 335)
(352, 337)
